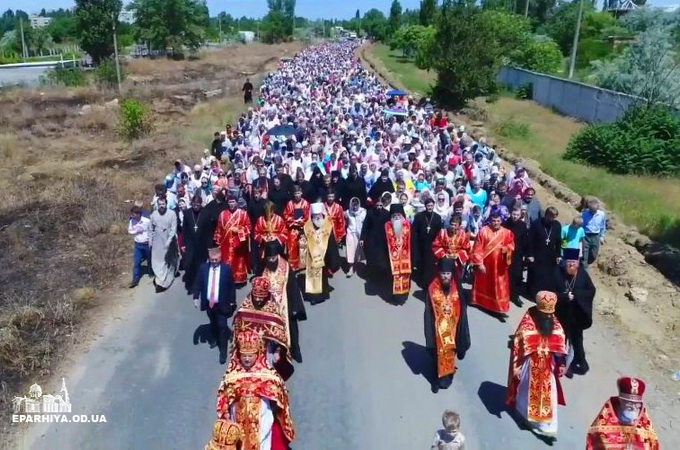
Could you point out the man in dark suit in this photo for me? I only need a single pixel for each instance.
(215, 292)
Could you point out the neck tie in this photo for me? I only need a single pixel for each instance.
(213, 289)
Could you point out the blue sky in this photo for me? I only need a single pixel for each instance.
(313, 9)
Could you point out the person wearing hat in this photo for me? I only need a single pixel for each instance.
(214, 292)
(538, 351)
(254, 396)
(491, 256)
(296, 214)
(263, 311)
(383, 184)
(623, 421)
(426, 226)
(398, 233)
(232, 235)
(270, 228)
(446, 325)
(321, 255)
(285, 288)
(373, 240)
(575, 294)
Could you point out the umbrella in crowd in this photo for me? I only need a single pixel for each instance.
(282, 130)
(396, 93)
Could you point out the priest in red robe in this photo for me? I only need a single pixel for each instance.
(270, 227)
(453, 242)
(398, 232)
(296, 214)
(336, 215)
(538, 357)
(491, 256)
(232, 235)
(254, 396)
(623, 422)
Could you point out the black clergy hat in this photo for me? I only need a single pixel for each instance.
(397, 208)
(272, 248)
(446, 265)
(572, 254)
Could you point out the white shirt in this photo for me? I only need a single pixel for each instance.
(212, 273)
(140, 230)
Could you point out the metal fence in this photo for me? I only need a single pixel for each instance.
(581, 101)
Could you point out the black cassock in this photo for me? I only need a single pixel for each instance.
(574, 315)
(463, 342)
(422, 255)
(545, 246)
(197, 240)
(332, 262)
(212, 212)
(296, 313)
(521, 237)
(375, 242)
(255, 211)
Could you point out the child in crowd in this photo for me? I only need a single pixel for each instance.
(449, 437)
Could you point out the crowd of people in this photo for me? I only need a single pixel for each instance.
(329, 160)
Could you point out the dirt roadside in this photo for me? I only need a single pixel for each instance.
(637, 305)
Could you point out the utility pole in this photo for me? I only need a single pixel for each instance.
(115, 51)
(24, 53)
(526, 9)
(574, 46)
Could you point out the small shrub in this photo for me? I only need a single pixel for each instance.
(493, 98)
(644, 141)
(135, 119)
(512, 129)
(65, 76)
(105, 74)
(525, 92)
(476, 113)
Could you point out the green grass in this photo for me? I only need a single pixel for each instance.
(532, 131)
(404, 70)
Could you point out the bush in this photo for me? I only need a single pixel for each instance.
(644, 141)
(512, 129)
(63, 76)
(539, 54)
(105, 74)
(525, 92)
(135, 119)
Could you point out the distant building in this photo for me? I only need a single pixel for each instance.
(247, 36)
(39, 21)
(126, 17)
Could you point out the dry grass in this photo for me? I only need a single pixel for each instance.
(65, 177)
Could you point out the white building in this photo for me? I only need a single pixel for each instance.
(39, 21)
(247, 36)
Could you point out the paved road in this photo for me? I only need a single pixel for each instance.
(361, 385)
(28, 75)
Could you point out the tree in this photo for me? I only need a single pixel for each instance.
(539, 54)
(466, 54)
(428, 12)
(278, 24)
(95, 21)
(374, 24)
(394, 21)
(648, 69)
(62, 29)
(171, 24)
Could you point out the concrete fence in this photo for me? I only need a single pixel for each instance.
(581, 101)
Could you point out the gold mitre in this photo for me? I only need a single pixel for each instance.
(546, 302)
(226, 435)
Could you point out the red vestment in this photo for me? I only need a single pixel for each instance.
(529, 343)
(493, 249)
(295, 222)
(273, 229)
(399, 250)
(233, 236)
(607, 433)
(456, 247)
(239, 400)
(446, 314)
(337, 217)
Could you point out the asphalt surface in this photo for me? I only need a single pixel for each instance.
(22, 75)
(362, 385)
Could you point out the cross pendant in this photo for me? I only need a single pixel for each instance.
(547, 241)
(195, 228)
(428, 228)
